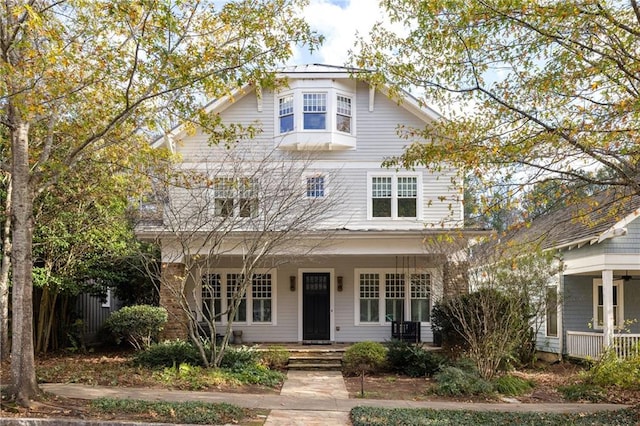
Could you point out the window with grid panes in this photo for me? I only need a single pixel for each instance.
(285, 113)
(314, 110)
(343, 114)
(234, 283)
(224, 189)
(394, 297)
(211, 294)
(261, 297)
(315, 187)
(248, 197)
(369, 297)
(599, 307)
(407, 196)
(381, 191)
(420, 287)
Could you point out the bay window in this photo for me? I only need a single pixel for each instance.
(314, 109)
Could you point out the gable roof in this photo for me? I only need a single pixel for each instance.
(407, 101)
(605, 215)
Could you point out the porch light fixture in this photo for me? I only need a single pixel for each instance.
(292, 283)
(340, 287)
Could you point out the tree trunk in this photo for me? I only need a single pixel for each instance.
(5, 346)
(23, 374)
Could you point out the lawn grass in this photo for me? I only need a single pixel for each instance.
(373, 416)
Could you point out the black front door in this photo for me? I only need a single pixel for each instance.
(315, 306)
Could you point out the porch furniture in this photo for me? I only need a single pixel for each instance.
(407, 331)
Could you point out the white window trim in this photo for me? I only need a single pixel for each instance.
(435, 289)
(314, 175)
(597, 282)
(394, 195)
(235, 199)
(249, 296)
(353, 111)
(331, 93)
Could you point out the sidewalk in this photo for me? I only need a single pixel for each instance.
(307, 398)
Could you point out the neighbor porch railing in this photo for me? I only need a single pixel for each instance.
(581, 344)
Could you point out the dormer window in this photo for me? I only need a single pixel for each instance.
(316, 115)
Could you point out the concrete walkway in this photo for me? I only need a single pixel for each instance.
(307, 398)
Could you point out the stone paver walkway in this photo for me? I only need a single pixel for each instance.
(316, 385)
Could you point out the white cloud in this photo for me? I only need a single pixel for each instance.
(338, 21)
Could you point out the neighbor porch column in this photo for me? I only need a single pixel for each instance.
(607, 307)
(171, 290)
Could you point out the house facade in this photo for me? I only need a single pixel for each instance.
(598, 290)
(334, 241)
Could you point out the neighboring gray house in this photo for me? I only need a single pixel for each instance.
(599, 287)
(372, 270)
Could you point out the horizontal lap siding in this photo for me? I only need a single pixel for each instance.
(577, 303)
(632, 305)
(627, 244)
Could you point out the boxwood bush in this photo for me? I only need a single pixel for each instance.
(364, 357)
(413, 360)
(139, 324)
(168, 354)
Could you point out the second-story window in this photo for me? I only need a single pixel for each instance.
(381, 196)
(315, 187)
(236, 197)
(285, 113)
(343, 114)
(394, 196)
(224, 192)
(248, 194)
(407, 196)
(314, 108)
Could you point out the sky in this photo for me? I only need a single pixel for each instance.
(338, 21)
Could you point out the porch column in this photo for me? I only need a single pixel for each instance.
(170, 292)
(607, 307)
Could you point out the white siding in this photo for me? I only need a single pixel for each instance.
(346, 170)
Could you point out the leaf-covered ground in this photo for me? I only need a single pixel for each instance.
(115, 369)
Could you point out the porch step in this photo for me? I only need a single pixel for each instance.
(315, 359)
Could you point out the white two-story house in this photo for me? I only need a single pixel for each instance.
(354, 257)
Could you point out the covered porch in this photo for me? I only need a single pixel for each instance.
(601, 312)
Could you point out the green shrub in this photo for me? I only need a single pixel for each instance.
(582, 392)
(413, 360)
(613, 371)
(238, 358)
(364, 357)
(453, 381)
(139, 324)
(512, 385)
(167, 354)
(275, 357)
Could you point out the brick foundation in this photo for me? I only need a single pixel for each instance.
(172, 282)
